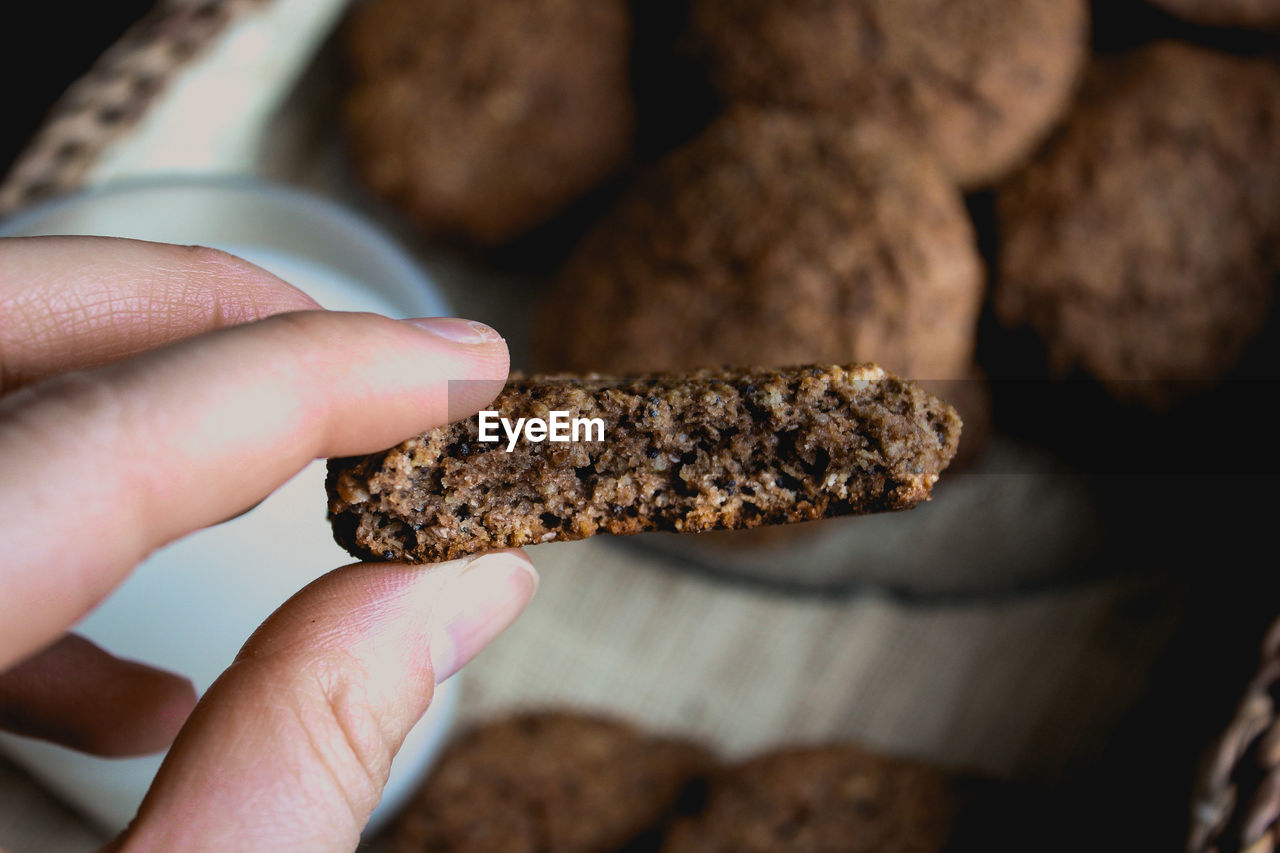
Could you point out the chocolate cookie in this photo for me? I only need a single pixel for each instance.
(822, 799)
(483, 120)
(980, 82)
(774, 239)
(713, 449)
(548, 781)
(1142, 243)
(1262, 14)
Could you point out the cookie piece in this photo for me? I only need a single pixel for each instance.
(712, 449)
(971, 398)
(774, 239)
(548, 781)
(1255, 14)
(1141, 244)
(822, 799)
(483, 120)
(980, 82)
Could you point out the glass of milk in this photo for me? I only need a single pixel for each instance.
(191, 606)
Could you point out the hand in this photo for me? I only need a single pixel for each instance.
(151, 390)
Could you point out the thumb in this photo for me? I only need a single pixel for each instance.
(291, 746)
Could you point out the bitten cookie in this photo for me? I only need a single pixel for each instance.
(1262, 14)
(774, 239)
(548, 781)
(822, 799)
(1142, 243)
(483, 120)
(712, 449)
(980, 82)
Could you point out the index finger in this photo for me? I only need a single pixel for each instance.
(98, 468)
(70, 303)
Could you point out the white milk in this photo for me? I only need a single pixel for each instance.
(191, 606)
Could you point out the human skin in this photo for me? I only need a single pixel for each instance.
(149, 390)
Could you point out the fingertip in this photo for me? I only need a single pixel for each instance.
(180, 438)
(457, 330)
(173, 704)
(518, 558)
(487, 356)
(488, 595)
(331, 684)
(466, 397)
(146, 719)
(155, 732)
(79, 695)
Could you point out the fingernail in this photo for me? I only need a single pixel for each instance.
(486, 597)
(456, 330)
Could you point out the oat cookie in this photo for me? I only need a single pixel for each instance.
(545, 781)
(774, 239)
(820, 799)
(711, 449)
(980, 82)
(483, 120)
(1142, 243)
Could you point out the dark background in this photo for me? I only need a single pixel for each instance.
(1138, 799)
(54, 44)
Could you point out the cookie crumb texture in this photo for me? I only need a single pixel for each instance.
(546, 781)
(712, 449)
(823, 799)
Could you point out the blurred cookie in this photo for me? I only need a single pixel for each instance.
(981, 82)
(774, 239)
(1262, 14)
(1141, 244)
(483, 120)
(548, 781)
(822, 799)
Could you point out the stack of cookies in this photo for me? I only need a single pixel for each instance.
(819, 215)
